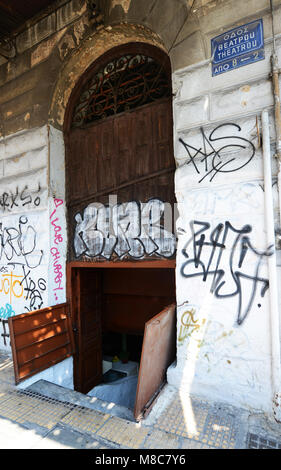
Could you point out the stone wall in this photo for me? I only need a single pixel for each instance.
(32, 226)
(45, 48)
(223, 333)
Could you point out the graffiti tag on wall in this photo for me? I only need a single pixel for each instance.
(219, 154)
(10, 284)
(188, 325)
(19, 198)
(6, 312)
(57, 239)
(131, 229)
(5, 335)
(204, 252)
(19, 241)
(21, 288)
(33, 290)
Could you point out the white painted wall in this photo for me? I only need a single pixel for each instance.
(57, 219)
(60, 374)
(32, 230)
(217, 356)
(223, 354)
(23, 219)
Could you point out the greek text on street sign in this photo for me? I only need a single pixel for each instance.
(239, 46)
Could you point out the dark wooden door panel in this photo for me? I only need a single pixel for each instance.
(92, 146)
(158, 352)
(129, 155)
(119, 135)
(143, 159)
(120, 149)
(147, 282)
(128, 314)
(91, 366)
(162, 144)
(40, 339)
(123, 150)
(88, 361)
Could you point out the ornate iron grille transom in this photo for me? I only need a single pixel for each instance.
(125, 83)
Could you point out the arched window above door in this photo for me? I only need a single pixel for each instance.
(119, 142)
(123, 83)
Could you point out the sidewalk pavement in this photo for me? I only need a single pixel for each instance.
(30, 420)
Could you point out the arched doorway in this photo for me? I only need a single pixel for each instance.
(119, 146)
(121, 261)
(119, 141)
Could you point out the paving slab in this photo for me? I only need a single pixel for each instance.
(32, 420)
(62, 437)
(85, 420)
(126, 434)
(157, 439)
(197, 420)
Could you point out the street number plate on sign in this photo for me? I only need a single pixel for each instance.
(239, 46)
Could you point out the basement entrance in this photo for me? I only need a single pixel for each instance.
(120, 198)
(119, 325)
(119, 162)
(125, 332)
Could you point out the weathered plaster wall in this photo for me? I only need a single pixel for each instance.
(32, 226)
(95, 45)
(24, 240)
(223, 327)
(27, 81)
(57, 219)
(59, 47)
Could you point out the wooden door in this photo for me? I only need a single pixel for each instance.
(129, 156)
(158, 352)
(119, 140)
(40, 339)
(87, 291)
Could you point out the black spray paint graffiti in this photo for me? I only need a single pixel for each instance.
(19, 198)
(211, 159)
(33, 291)
(231, 283)
(131, 229)
(20, 241)
(5, 335)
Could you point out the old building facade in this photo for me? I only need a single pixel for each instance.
(137, 172)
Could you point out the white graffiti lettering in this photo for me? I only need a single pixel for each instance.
(131, 229)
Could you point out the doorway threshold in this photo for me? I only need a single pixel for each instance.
(66, 395)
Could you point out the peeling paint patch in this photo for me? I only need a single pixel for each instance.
(125, 4)
(78, 30)
(66, 46)
(43, 51)
(82, 57)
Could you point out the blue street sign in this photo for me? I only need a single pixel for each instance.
(239, 46)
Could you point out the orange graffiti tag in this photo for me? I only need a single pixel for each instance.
(188, 325)
(10, 284)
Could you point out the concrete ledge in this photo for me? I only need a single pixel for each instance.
(50, 390)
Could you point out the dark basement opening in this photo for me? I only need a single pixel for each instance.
(119, 301)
